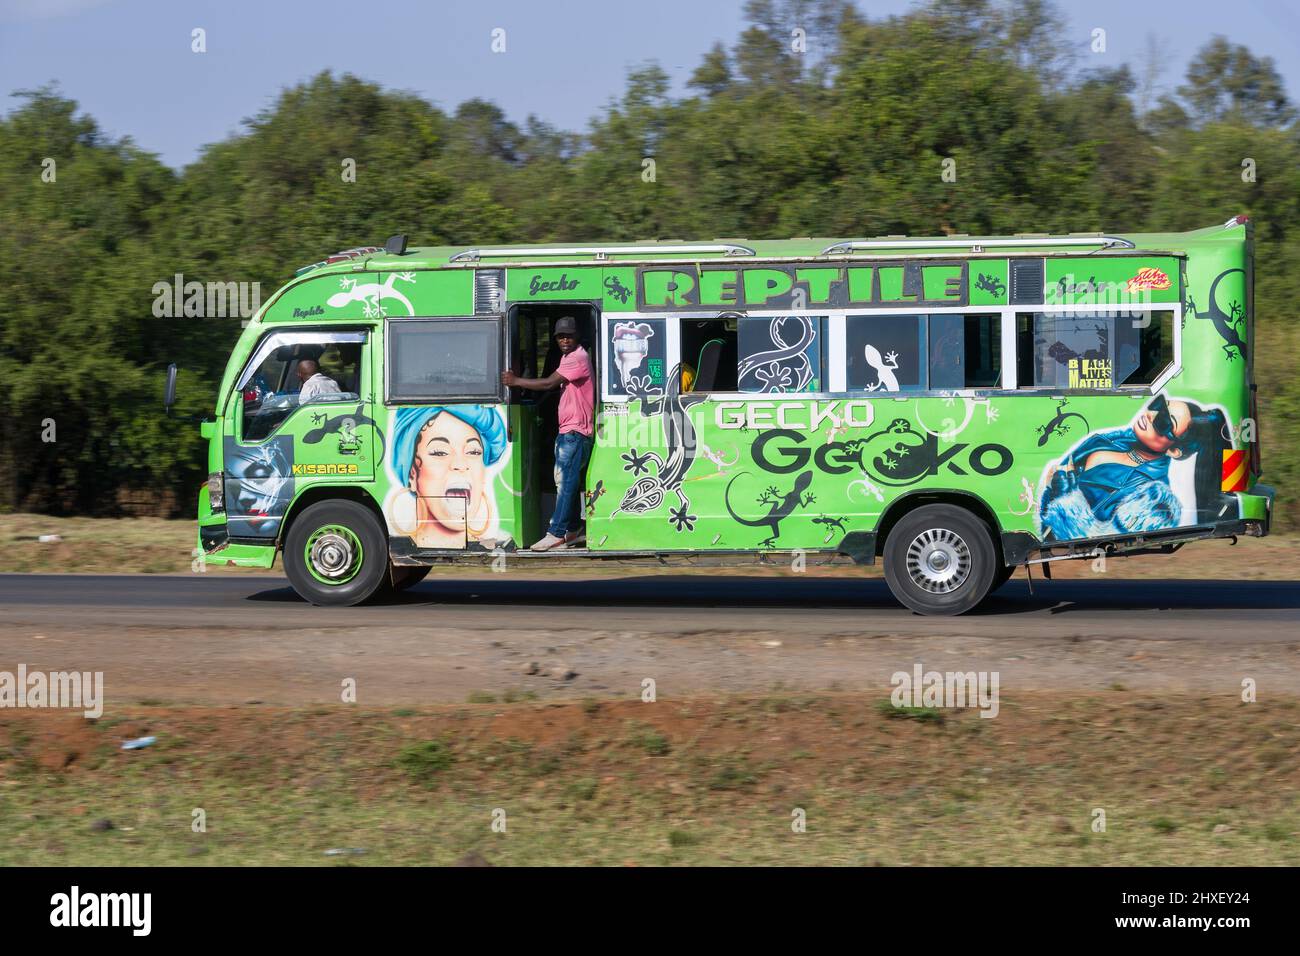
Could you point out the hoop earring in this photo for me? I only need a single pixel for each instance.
(405, 512)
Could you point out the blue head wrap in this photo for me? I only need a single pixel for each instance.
(408, 423)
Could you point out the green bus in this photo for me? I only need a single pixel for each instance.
(955, 406)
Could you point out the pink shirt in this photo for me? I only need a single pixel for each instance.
(578, 400)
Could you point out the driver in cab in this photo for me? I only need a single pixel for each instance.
(315, 383)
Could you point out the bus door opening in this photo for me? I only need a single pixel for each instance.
(534, 354)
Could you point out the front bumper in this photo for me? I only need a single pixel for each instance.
(217, 549)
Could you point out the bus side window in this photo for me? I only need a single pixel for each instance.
(885, 353)
(636, 357)
(1067, 350)
(766, 362)
(965, 351)
(445, 359)
(1094, 350)
(1145, 346)
(709, 348)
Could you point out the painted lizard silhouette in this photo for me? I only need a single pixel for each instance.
(990, 284)
(784, 368)
(832, 525)
(780, 506)
(372, 295)
(346, 421)
(885, 368)
(1225, 323)
(649, 490)
(1057, 425)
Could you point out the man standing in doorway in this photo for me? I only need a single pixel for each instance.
(576, 421)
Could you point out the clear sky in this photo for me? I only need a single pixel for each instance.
(128, 62)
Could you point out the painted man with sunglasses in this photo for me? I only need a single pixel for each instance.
(1117, 481)
(576, 426)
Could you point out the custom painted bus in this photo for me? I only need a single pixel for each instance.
(955, 407)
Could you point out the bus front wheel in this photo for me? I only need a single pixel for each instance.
(336, 553)
(940, 559)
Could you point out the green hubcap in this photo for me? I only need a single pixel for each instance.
(333, 554)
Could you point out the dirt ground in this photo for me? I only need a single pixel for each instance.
(1112, 778)
(500, 720)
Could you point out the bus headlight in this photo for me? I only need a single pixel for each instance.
(216, 492)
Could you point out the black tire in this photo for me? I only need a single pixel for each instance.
(351, 531)
(955, 561)
(1001, 577)
(408, 576)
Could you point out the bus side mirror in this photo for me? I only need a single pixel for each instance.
(169, 392)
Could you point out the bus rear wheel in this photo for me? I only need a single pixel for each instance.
(336, 554)
(940, 559)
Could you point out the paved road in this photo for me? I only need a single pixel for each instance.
(1216, 610)
(229, 639)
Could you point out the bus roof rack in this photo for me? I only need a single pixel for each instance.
(604, 252)
(975, 245)
(347, 254)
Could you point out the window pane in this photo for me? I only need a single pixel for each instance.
(340, 363)
(708, 350)
(947, 351)
(444, 358)
(1025, 365)
(638, 349)
(275, 387)
(965, 351)
(1073, 351)
(1145, 347)
(885, 352)
(781, 354)
(983, 351)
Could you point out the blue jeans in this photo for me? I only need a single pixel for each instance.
(572, 449)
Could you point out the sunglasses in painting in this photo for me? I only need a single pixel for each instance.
(1162, 423)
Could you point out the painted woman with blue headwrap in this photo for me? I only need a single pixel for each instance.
(440, 459)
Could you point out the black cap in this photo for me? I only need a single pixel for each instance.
(566, 323)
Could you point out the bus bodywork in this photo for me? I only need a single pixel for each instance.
(754, 397)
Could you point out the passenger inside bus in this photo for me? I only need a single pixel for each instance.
(709, 350)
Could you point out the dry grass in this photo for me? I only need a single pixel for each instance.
(1182, 781)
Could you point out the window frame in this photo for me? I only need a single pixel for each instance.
(278, 337)
(1159, 382)
(834, 376)
(390, 340)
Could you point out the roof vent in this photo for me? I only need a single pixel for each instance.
(489, 291)
(1026, 281)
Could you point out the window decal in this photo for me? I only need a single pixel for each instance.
(780, 354)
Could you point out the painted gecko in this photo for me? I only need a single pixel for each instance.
(781, 506)
(373, 295)
(1057, 425)
(1224, 323)
(649, 490)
